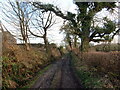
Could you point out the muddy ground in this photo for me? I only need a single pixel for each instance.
(59, 75)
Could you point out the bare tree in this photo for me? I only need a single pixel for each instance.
(42, 23)
(19, 16)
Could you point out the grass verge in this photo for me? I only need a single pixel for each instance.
(29, 85)
(88, 79)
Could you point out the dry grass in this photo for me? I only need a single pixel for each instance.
(103, 64)
(19, 65)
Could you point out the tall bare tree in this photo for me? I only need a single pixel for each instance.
(42, 23)
(18, 15)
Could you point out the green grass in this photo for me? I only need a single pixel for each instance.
(29, 85)
(88, 79)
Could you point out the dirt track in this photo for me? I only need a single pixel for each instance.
(59, 75)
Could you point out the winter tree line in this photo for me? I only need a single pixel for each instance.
(36, 18)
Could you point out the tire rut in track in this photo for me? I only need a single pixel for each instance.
(58, 75)
(67, 80)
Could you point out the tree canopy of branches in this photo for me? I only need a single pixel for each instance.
(70, 37)
(19, 16)
(82, 22)
(42, 23)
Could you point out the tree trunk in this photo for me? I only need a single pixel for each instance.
(46, 44)
(48, 49)
(26, 44)
(45, 41)
(75, 41)
(84, 44)
(86, 23)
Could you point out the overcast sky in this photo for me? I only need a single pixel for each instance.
(54, 34)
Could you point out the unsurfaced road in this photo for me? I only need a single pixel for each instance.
(59, 75)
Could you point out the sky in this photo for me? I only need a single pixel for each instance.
(54, 35)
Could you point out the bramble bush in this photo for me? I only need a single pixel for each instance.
(20, 66)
